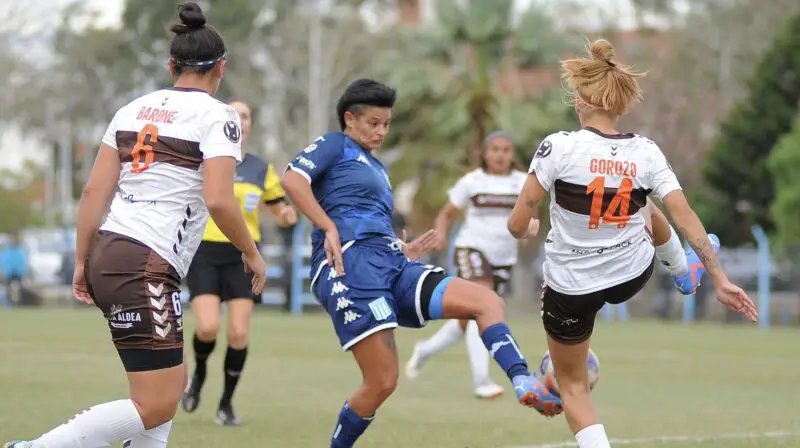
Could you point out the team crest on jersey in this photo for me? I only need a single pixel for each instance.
(544, 150)
(232, 131)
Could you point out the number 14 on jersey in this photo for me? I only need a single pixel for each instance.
(617, 210)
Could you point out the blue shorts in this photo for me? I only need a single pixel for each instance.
(381, 289)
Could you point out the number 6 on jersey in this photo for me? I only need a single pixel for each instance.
(141, 147)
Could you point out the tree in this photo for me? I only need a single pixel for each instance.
(467, 79)
(784, 164)
(736, 168)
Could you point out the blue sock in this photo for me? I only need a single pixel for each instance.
(504, 350)
(349, 428)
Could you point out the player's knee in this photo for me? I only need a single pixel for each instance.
(156, 412)
(383, 386)
(493, 306)
(237, 336)
(207, 329)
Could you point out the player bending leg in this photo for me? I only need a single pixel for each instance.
(599, 249)
(163, 154)
(484, 253)
(364, 275)
(217, 275)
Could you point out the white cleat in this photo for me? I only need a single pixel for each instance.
(489, 391)
(414, 362)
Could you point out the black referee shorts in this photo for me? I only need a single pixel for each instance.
(570, 319)
(217, 269)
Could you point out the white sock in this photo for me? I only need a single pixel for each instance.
(152, 438)
(478, 355)
(448, 335)
(99, 426)
(593, 436)
(671, 255)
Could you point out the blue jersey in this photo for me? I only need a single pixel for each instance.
(352, 187)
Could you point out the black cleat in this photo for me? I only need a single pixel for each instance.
(191, 396)
(226, 416)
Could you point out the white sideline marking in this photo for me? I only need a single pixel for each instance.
(675, 439)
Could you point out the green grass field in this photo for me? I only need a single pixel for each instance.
(701, 386)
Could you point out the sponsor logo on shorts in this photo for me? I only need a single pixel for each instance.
(342, 303)
(564, 322)
(119, 319)
(350, 316)
(338, 288)
(380, 308)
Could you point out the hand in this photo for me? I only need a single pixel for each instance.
(255, 263)
(533, 230)
(420, 246)
(736, 299)
(533, 227)
(439, 241)
(333, 251)
(79, 289)
(287, 216)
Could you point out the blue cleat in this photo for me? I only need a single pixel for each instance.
(533, 394)
(18, 444)
(687, 283)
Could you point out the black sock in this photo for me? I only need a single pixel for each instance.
(202, 350)
(234, 363)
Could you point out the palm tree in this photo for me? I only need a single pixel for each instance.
(461, 78)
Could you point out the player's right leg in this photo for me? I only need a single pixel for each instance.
(471, 265)
(569, 351)
(454, 298)
(138, 293)
(239, 300)
(364, 315)
(685, 267)
(204, 282)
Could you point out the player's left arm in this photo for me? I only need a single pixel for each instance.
(524, 221)
(667, 189)
(97, 194)
(274, 199)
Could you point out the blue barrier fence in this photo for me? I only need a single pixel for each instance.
(301, 296)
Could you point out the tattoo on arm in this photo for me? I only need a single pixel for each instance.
(705, 252)
(531, 203)
(387, 337)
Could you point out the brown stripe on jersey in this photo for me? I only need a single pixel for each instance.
(174, 151)
(573, 197)
(494, 200)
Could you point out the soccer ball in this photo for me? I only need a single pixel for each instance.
(547, 374)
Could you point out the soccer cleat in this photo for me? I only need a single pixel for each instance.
(226, 416)
(688, 283)
(533, 394)
(488, 391)
(414, 363)
(191, 396)
(18, 444)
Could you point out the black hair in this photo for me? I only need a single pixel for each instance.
(196, 47)
(364, 92)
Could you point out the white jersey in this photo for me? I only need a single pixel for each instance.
(598, 186)
(489, 200)
(162, 139)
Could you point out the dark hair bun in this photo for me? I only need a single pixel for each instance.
(191, 16)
